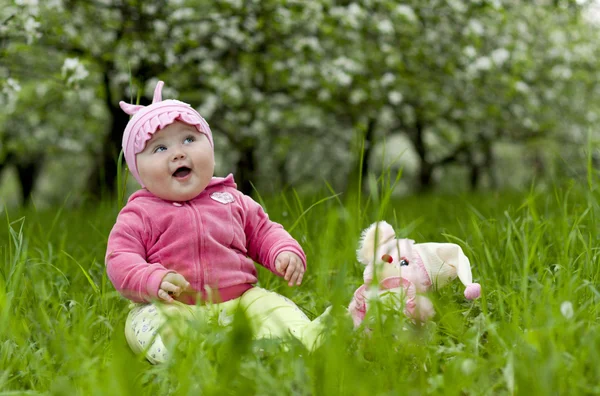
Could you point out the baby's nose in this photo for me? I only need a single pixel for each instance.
(178, 155)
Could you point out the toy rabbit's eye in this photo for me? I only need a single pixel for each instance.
(403, 261)
(387, 258)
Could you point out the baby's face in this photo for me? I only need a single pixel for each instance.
(177, 163)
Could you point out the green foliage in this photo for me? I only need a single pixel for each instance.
(534, 331)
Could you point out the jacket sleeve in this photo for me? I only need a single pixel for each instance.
(265, 239)
(126, 264)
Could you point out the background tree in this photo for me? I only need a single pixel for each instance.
(302, 91)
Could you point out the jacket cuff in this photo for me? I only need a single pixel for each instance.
(154, 281)
(285, 247)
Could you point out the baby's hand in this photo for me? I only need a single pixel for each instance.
(172, 284)
(290, 266)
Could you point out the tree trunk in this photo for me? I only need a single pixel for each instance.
(102, 182)
(28, 173)
(426, 168)
(488, 165)
(104, 175)
(246, 169)
(369, 144)
(475, 174)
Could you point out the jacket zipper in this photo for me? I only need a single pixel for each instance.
(201, 275)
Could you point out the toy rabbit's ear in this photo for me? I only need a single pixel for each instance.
(129, 108)
(370, 240)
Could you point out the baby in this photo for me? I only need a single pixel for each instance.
(186, 243)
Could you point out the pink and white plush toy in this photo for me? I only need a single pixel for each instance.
(401, 270)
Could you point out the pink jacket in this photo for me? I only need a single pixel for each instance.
(211, 240)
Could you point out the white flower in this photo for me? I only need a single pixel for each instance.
(395, 97)
(385, 26)
(522, 87)
(73, 70)
(324, 95)
(343, 78)
(476, 27)
(387, 79)
(27, 3)
(31, 29)
(562, 71)
(32, 5)
(11, 85)
(482, 63)
(406, 12)
(469, 51)
(566, 309)
(500, 55)
(182, 13)
(357, 96)
(160, 26)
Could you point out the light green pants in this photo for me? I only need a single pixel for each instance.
(270, 315)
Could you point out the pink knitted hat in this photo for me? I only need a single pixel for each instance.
(147, 120)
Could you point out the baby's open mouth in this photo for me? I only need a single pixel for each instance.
(182, 171)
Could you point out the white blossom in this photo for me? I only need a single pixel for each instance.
(385, 26)
(347, 64)
(387, 79)
(482, 63)
(343, 78)
(406, 12)
(31, 27)
(499, 56)
(324, 95)
(31, 5)
(9, 94)
(73, 71)
(308, 42)
(457, 5)
(522, 87)
(357, 96)
(182, 13)
(235, 93)
(274, 116)
(210, 104)
(54, 4)
(160, 26)
(562, 72)
(219, 42)
(395, 97)
(475, 27)
(470, 52)
(11, 85)
(558, 37)
(566, 309)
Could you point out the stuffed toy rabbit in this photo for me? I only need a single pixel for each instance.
(402, 270)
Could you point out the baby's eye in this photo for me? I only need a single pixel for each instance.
(387, 258)
(189, 139)
(158, 149)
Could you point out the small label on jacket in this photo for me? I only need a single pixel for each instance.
(222, 197)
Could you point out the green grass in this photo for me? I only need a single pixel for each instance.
(61, 322)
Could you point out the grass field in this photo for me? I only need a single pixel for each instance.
(535, 331)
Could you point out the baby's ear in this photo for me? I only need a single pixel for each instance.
(371, 239)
